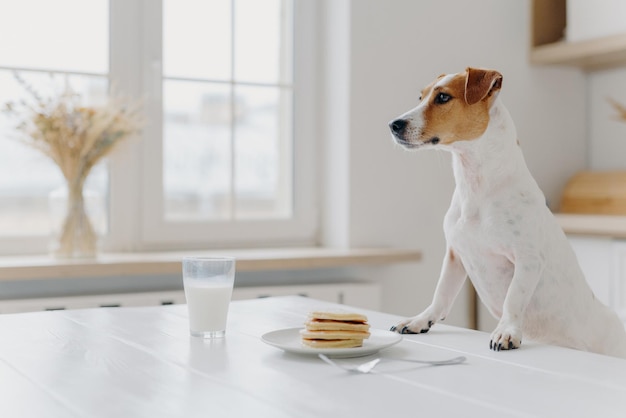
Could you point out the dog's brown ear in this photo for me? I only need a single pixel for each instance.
(480, 84)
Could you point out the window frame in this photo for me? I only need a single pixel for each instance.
(136, 67)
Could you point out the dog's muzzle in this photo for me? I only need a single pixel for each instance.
(398, 127)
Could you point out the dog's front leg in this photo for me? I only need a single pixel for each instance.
(508, 332)
(451, 280)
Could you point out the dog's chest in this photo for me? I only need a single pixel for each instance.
(485, 225)
(478, 233)
(480, 228)
(481, 236)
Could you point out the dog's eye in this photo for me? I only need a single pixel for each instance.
(420, 99)
(442, 98)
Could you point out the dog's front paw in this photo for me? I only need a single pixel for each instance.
(505, 337)
(417, 325)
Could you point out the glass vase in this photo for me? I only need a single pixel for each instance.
(76, 220)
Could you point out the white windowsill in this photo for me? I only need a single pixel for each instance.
(131, 264)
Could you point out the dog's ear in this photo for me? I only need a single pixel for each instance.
(480, 84)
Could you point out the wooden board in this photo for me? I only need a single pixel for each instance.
(592, 192)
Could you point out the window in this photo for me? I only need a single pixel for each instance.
(227, 92)
(227, 154)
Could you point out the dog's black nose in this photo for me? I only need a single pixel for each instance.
(398, 126)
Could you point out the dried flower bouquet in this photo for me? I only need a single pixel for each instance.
(621, 110)
(76, 138)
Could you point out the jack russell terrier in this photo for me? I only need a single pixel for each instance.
(499, 231)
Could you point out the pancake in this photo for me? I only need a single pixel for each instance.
(334, 335)
(343, 316)
(335, 329)
(332, 343)
(329, 325)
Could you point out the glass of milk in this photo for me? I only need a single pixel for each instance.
(208, 283)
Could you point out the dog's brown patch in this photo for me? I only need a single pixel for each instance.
(466, 115)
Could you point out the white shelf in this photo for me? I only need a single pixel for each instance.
(548, 47)
(593, 54)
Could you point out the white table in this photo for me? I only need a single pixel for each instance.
(141, 362)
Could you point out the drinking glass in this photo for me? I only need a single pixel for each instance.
(208, 283)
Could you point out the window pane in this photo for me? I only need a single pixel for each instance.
(68, 35)
(262, 41)
(26, 175)
(263, 152)
(197, 39)
(197, 150)
(227, 145)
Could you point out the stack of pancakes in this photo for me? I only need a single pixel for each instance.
(336, 329)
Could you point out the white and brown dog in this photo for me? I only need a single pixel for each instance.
(498, 229)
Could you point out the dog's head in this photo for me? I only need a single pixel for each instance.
(452, 108)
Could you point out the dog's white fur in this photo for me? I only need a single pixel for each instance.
(498, 229)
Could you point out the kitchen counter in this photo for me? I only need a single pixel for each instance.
(595, 225)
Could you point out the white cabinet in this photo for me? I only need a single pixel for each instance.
(603, 261)
(595, 256)
(618, 283)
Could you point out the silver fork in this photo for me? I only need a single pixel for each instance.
(455, 360)
(360, 368)
(368, 366)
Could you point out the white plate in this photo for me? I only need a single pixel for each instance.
(289, 340)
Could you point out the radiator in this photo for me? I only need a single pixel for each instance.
(364, 295)
(92, 301)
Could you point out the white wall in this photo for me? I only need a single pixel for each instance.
(395, 47)
(607, 134)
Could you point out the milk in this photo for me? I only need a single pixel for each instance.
(208, 305)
